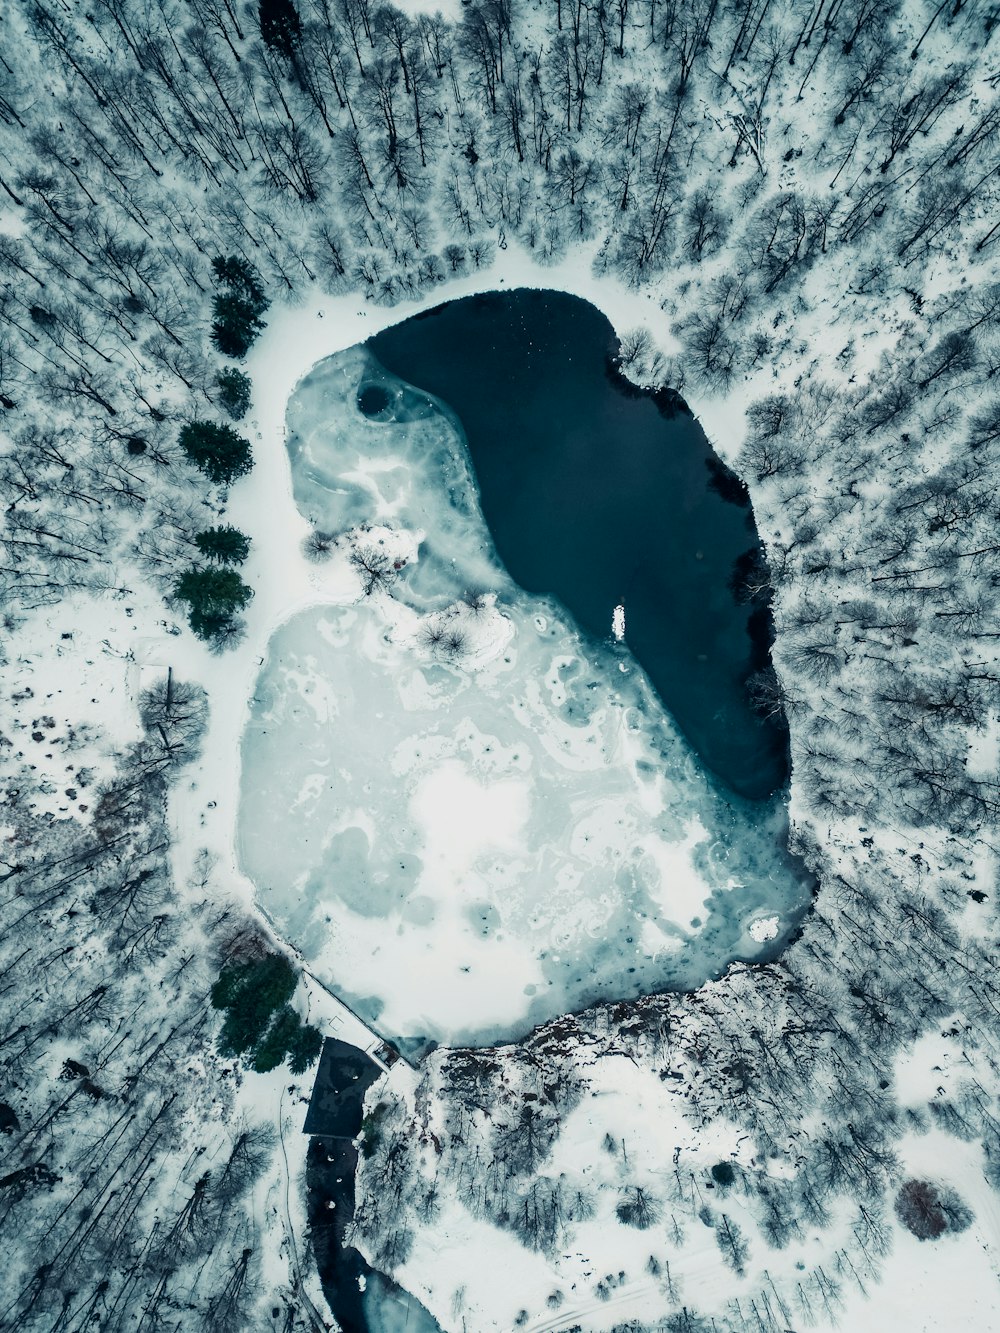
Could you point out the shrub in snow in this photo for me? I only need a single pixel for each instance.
(318, 545)
(230, 634)
(637, 1208)
(929, 1210)
(688, 1321)
(723, 1173)
(176, 712)
(216, 450)
(377, 568)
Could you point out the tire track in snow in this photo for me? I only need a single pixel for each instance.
(567, 1319)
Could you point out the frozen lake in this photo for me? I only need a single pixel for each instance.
(468, 815)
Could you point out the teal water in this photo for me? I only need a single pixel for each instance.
(597, 493)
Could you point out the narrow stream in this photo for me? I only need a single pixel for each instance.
(362, 1300)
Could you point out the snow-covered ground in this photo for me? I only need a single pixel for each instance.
(862, 137)
(126, 641)
(642, 1226)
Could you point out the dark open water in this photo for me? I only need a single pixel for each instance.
(597, 493)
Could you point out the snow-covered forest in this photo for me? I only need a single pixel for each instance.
(790, 213)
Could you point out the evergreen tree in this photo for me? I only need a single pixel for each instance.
(214, 597)
(234, 393)
(259, 1021)
(279, 25)
(216, 450)
(238, 305)
(225, 544)
(235, 326)
(304, 1048)
(251, 993)
(240, 277)
(42, 317)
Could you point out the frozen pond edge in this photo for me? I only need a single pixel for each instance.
(301, 840)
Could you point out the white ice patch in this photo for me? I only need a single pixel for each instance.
(465, 816)
(764, 928)
(461, 819)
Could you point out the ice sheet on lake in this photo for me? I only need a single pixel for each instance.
(467, 818)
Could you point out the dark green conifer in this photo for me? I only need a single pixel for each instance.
(216, 450)
(259, 1021)
(234, 393)
(237, 306)
(225, 544)
(214, 598)
(280, 25)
